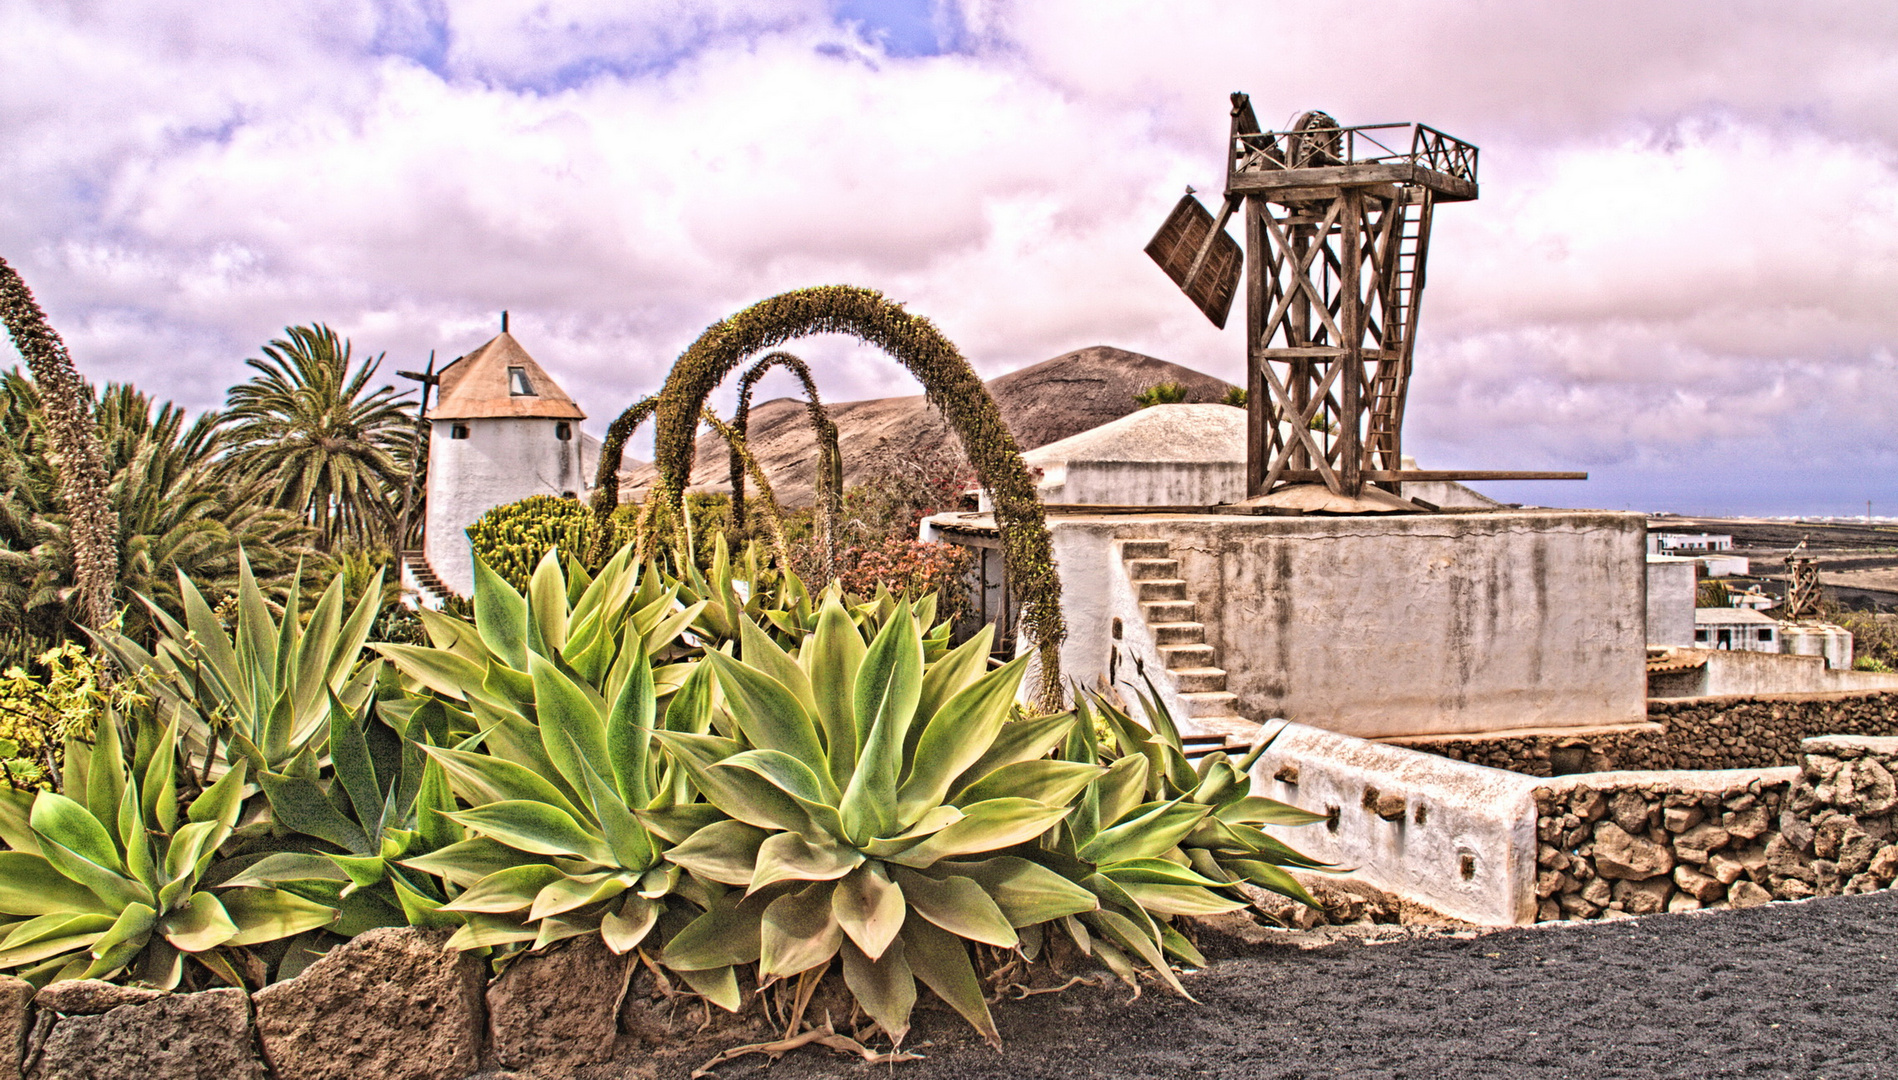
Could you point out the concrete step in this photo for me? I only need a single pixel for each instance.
(1153, 569)
(1161, 589)
(1178, 657)
(1164, 611)
(1144, 549)
(1198, 680)
(1178, 633)
(1210, 703)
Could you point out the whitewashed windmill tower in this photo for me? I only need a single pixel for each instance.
(500, 430)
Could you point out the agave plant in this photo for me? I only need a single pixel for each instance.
(1156, 837)
(338, 840)
(263, 695)
(557, 770)
(869, 801)
(113, 885)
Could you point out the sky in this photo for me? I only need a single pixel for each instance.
(1682, 274)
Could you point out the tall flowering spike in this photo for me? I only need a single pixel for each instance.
(76, 450)
(949, 383)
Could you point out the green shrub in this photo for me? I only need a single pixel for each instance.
(1235, 396)
(1164, 393)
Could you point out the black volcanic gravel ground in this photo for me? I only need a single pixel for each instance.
(1784, 990)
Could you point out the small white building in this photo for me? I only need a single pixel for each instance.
(1735, 628)
(500, 430)
(1165, 455)
(1671, 543)
(1723, 565)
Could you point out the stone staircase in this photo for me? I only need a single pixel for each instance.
(1173, 620)
(434, 592)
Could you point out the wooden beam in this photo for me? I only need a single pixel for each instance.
(1423, 475)
(1271, 183)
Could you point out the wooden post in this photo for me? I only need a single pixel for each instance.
(1351, 325)
(1260, 431)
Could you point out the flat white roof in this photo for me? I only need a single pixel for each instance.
(1704, 616)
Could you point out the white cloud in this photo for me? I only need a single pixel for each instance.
(1684, 250)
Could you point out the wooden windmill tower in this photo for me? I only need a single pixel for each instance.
(1337, 226)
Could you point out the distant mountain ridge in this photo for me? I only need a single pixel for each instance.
(1049, 401)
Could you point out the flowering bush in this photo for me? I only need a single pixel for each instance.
(910, 567)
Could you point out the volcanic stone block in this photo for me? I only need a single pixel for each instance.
(1632, 858)
(553, 1012)
(1745, 894)
(90, 997)
(16, 999)
(393, 1003)
(171, 1037)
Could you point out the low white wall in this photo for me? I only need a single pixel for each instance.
(1833, 643)
(1148, 483)
(1737, 672)
(1464, 844)
(1383, 626)
(1670, 601)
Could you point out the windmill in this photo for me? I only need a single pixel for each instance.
(1337, 227)
(429, 381)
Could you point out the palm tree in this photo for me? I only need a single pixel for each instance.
(75, 442)
(175, 505)
(325, 445)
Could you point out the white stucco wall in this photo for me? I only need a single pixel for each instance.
(502, 460)
(1464, 845)
(1379, 626)
(1670, 600)
(1147, 483)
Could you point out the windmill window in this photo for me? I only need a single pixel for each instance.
(458, 431)
(563, 431)
(517, 385)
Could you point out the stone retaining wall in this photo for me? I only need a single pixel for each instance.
(1683, 733)
(1636, 843)
(393, 1004)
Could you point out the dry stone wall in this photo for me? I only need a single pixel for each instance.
(1685, 733)
(1621, 844)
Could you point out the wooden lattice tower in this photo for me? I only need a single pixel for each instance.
(1802, 588)
(1337, 226)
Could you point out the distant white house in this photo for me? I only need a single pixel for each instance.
(1674, 543)
(1735, 628)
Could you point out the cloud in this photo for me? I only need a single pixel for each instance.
(1683, 253)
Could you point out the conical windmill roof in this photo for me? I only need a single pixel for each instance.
(477, 386)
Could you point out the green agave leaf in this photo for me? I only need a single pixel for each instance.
(832, 658)
(118, 945)
(985, 826)
(629, 733)
(1122, 788)
(931, 823)
(15, 831)
(941, 961)
(1273, 878)
(298, 803)
(959, 905)
(450, 674)
(675, 824)
(420, 910)
(1176, 945)
(488, 931)
(482, 778)
(1019, 740)
(571, 728)
(1046, 781)
(889, 683)
(716, 985)
(535, 827)
(770, 716)
(1136, 940)
(870, 907)
(762, 653)
(788, 856)
(625, 837)
(724, 851)
(959, 734)
(885, 987)
(1259, 810)
(54, 947)
(1155, 829)
(732, 791)
(58, 925)
(627, 925)
(507, 890)
(1180, 900)
(952, 674)
(201, 924)
(268, 914)
(547, 606)
(466, 862)
(74, 842)
(1026, 892)
(799, 931)
(726, 934)
(568, 893)
(500, 617)
(1157, 872)
(275, 869)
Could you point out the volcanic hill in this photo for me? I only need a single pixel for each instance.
(1052, 400)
